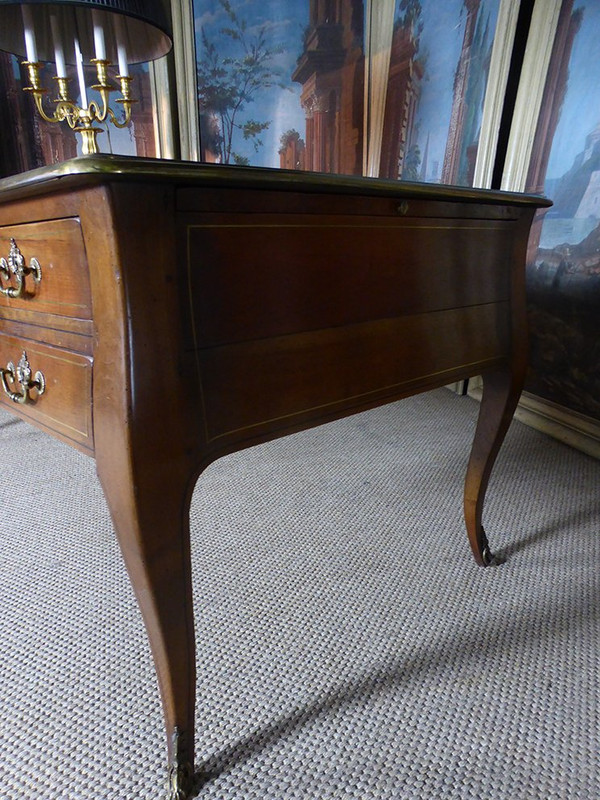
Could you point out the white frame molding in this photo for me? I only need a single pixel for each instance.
(184, 48)
(504, 37)
(165, 129)
(566, 425)
(540, 42)
(379, 34)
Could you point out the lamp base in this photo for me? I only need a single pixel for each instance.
(82, 120)
(89, 138)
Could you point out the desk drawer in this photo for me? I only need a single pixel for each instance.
(61, 285)
(64, 406)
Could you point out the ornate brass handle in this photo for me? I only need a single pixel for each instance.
(22, 375)
(15, 270)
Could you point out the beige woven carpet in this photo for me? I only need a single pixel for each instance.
(348, 646)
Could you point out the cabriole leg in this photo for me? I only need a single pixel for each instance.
(501, 392)
(150, 512)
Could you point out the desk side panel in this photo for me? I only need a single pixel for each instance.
(281, 382)
(298, 318)
(281, 275)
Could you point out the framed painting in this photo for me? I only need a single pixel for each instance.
(555, 149)
(393, 88)
(436, 80)
(278, 83)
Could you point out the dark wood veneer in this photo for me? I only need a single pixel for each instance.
(192, 310)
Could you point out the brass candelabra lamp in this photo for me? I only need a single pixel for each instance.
(77, 32)
(81, 119)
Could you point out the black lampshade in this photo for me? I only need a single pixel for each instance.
(146, 27)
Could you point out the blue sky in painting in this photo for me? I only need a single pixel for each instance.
(581, 108)
(441, 44)
(285, 23)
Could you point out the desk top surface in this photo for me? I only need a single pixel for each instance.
(98, 169)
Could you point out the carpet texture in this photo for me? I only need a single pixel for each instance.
(348, 645)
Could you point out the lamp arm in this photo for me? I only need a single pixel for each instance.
(65, 111)
(127, 108)
(126, 101)
(82, 120)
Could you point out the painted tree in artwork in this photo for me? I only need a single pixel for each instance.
(231, 73)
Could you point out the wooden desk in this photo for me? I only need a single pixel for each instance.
(159, 315)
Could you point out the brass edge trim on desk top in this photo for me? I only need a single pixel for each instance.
(80, 170)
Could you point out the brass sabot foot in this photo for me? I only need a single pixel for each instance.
(181, 771)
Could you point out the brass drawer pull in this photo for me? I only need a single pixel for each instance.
(15, 270)
(21, 374)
